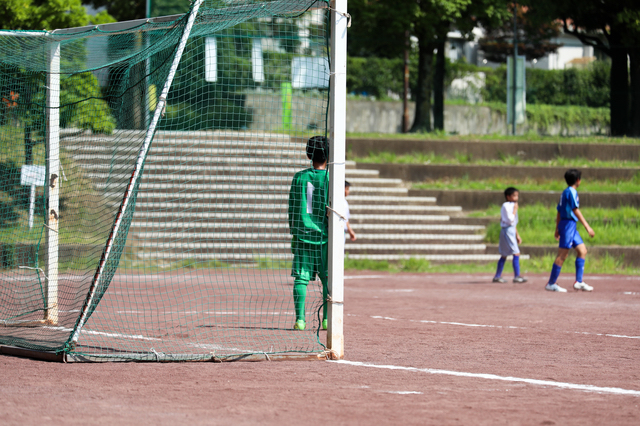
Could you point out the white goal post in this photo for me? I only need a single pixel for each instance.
(75, 319)
(337, 129)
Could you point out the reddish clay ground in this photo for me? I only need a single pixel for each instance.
(508, 330)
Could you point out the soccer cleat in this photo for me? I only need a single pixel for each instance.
(582, 286)
(519, 280)
(499, 280)
(299, 325)
(555, 287)
(324, 324)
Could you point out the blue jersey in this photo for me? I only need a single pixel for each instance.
(569, 201)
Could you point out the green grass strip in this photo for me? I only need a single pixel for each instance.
(538, 265)
(528, 184)
(613, 227)
(386, 157)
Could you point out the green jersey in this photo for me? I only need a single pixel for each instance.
(308, 197)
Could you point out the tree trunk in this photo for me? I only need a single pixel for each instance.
(438, 88)
(422, 119)
(619, 86)
(634, 124)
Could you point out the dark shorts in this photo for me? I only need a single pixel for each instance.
(569, 236)
(309, 260)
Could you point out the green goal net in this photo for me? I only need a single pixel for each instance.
(146, 170)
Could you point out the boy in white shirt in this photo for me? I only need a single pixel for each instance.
(348, 232)
(509, 237)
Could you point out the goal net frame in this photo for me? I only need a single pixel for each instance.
(339, 21)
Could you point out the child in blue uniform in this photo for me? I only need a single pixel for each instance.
(509, 237)
(567, 233)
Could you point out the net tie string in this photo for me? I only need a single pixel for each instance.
(335, 302)
(336, 212)
(345, 14)
(36, 269)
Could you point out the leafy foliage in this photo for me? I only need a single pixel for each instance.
(533, 38)
(47, 14)
(587, 87)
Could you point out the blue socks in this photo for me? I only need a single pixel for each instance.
(516, 266)
(500, 267)
(579, 269)
(555, 273)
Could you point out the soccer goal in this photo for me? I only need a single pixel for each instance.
(147, 182)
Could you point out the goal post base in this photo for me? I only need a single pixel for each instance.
(33, 354)
(28, 323)
(159, 357)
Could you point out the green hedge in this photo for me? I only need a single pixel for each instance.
(578, 87)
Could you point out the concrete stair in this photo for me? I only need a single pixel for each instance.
(223, 196)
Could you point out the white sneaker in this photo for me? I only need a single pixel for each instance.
(555, 287)
(582, 286)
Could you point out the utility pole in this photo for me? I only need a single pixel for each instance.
(405, 94)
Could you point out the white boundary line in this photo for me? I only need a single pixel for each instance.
(498, 326)
(561, 385)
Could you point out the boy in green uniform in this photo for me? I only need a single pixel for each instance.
(309, 228)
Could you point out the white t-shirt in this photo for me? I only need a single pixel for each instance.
(346, 214)
(507, 218)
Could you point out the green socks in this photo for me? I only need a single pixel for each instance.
(325, 292)
(299, 296)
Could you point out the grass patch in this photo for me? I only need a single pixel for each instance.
(405, 265)
(538, 265)
(613, 227)
(527, 184)
(529, 137)
(386, 157)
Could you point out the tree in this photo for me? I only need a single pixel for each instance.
(49, 15)
(610, 27)
(533, 37)
(127, 10)
(631, 20)
(379, 30)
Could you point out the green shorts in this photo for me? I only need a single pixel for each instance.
(309, 260)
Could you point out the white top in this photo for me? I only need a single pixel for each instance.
(346, 214)
(507, 218)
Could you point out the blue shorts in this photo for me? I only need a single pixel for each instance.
(569, 236)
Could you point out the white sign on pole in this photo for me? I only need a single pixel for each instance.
(32, 176)
(309, 73)
(257, 61)
(210, 60)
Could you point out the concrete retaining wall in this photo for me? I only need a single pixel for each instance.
(478, 200)
(421, 172)
(386, 117)
(487, 150)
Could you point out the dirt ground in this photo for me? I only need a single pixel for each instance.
(420, 349)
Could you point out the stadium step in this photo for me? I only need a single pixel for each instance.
(232, 207)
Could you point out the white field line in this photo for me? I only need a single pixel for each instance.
(500, 326)
(369, 277)
(84, 331)
(549, 383)
(156, 313)
(102, 333)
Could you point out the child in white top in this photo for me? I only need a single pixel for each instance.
(348, 232)
(509, 237)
